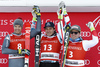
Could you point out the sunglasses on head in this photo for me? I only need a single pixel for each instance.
(74, 32)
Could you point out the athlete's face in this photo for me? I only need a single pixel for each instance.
(17, 29)
(74, 34)
(49, 31)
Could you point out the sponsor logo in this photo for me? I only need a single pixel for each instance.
(15, 40)
(71, 62)
(75, 48)
(98, 62)
(46, 41)
(66, 38)
(37, 45)
(3, 33)
(47, 55)
(87, 62)
(85, 33)
(48, 24)
(98, 48)
(3, 60)
(76, 63)
(37, 39)
(5, 22)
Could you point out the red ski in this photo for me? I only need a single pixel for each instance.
(27, 42)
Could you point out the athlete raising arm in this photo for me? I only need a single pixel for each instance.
(14, 44)
(77, 47)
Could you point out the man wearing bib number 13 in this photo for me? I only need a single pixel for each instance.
(50, 46)
(77, 47)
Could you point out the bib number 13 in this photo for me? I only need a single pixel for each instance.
(19, 46)
(48, 47)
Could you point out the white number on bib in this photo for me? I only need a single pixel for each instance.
(48, 47)
(71, 54)
(19, 46)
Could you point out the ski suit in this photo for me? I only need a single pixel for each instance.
(13, 42)
(49, 51)
(76, 51)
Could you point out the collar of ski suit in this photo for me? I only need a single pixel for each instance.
(76, 40)
(17, 34)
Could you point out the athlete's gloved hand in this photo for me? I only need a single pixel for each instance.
(34, 15)
(24, 51)
(60, 10)
(37, 10)
(63, 6)
(64, 11)
(91, 26)
(60, 13)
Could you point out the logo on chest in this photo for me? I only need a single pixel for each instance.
(74, 47)
(16, 40)
(47, 41)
